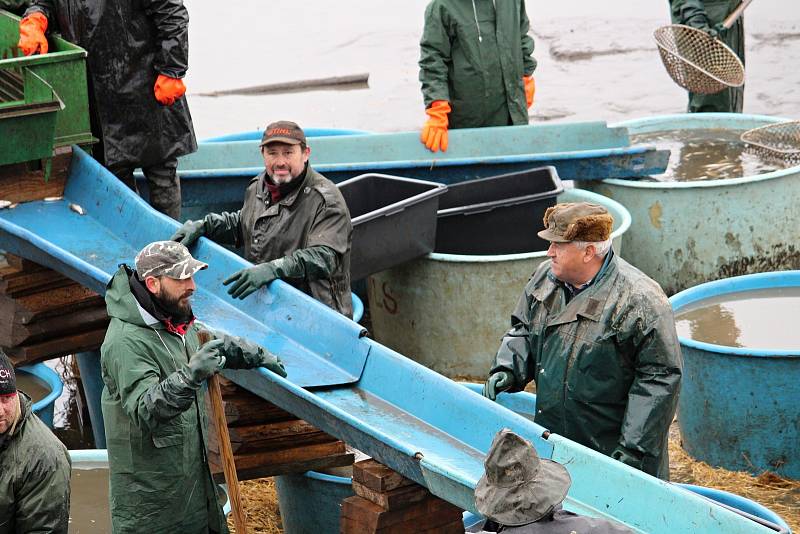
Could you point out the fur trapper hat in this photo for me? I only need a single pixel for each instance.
(577, 221)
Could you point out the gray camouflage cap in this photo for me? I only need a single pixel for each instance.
(518, 487)
(167, 258)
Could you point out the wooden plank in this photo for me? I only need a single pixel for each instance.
(274, 444)
(393, 499)
(242, 409)
(373, 518)
(14, 282)
(13, 333)
(24, 182)
(378, 477)
(290, 468)
(38, 306)
(53, 348)
(20, 263)
(226, 453)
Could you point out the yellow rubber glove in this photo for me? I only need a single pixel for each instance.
(434, 133)
(168, 90)
(530, 89)
(31, 34)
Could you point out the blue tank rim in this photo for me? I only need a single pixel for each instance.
(49, 377)
(588, 196)
(732, 285)
(737, 501)
(695, 121)
(255, 135)
(358, 307)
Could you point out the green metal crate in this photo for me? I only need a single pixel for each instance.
(63, 69)
(28, 114)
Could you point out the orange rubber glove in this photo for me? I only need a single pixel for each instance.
(530, 89)
(168, 90)
(434, 133)
(31, 34)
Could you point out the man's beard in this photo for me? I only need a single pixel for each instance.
(178, 312)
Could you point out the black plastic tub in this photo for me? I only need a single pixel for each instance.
(394, 220)
(497, 215)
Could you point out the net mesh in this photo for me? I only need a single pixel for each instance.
(696, 61)
(777, 141)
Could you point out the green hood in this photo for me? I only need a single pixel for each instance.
(121, 303)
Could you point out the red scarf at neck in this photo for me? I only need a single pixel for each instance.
(180, 328)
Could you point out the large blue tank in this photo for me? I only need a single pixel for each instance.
(738, 407)
(45, 407)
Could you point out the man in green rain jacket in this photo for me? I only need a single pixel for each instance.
(708, 15)
(476, 66)
(153, 404)
(34, 465)
(598, 338)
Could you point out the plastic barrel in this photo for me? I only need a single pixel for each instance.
(311, 502)
(92, 382)
(450, 311)
(98, 459)
(45, 407)
(687, 233)
(738, 406)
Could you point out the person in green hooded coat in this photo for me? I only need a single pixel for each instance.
(153, 368)
(34, 465)
(476, 66)
(598, 338)
(707, 15)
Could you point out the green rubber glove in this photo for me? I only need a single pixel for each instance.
(206, 361)
(242, 354)
(499, 381)
(190, 232)
(249, 280)
(627, 456)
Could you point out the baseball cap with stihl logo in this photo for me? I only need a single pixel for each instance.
(283, 132)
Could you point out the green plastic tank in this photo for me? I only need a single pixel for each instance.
(687, 233)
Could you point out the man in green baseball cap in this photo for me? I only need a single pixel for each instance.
(598, 338)
(153, 404)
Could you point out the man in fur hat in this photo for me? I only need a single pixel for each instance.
(598, 338)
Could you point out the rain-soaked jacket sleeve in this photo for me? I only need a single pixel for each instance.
(434, 55)
(528, 62)
(653, 395)
(689, 12)
(515, 354)
(172, 22)
(146, 400)
(313, 263)
(224, 228)
(42, 501)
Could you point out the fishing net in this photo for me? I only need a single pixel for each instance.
(777, 141)
(696, 61)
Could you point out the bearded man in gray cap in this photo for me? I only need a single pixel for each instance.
(294, 225)
(34, 465)
(598, 338)
(521, 493)
(153, 407)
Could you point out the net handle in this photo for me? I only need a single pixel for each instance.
(735, 14)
